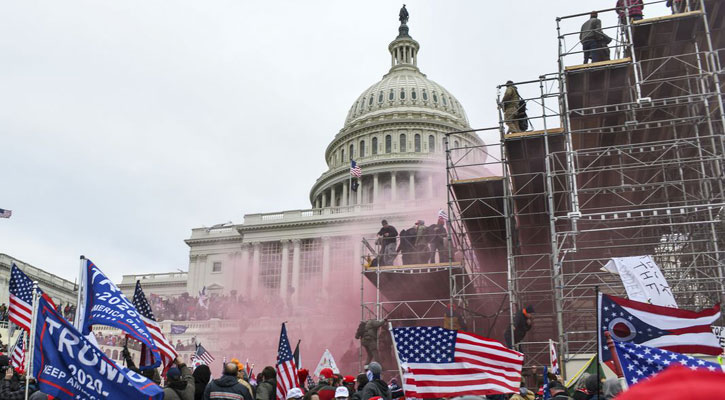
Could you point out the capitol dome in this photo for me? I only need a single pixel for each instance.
(395, 132)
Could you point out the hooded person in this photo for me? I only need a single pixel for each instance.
(376, 387)
(558, 391)
(362, 380)
(324, 388)
(267, 384)
(179, 382)
(594, 386)
(611, 388)
(227, 387)
(202, 375)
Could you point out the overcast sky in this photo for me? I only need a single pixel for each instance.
(125, 124)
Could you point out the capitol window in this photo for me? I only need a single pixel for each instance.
(402, 94)
(362, 148)
(352, 151)
(435, 98)
(380, 97)
(391, 96)
(425, 95)
(375, 146)
(371, 100)
(443, 97)
(417, 143)
(388, 143)
(342, 156)
(413, 95)
(216, 266)
(403, 148)
(431, 143)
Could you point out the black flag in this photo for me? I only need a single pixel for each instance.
(354, 185)
(296, 354)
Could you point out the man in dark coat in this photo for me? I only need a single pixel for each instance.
(438, 241)
(376, 386)
(227, 387)
(267, 387)
(387, 237)
(407, 246)
(179, 382)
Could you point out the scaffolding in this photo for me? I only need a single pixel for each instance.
(625, 158)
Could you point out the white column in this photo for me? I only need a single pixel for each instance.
(324, 199)
(359, 191)
(411, 186)
(375, 188)
(255, 268)
(246, 272)
(284, 272)
(344, 194)
(317, 202)
(296, 268)
(430, 186)
(325, 261)
(393, 187)
(332, 196)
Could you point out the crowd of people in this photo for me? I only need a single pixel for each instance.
(68, 311)
(418, 244)
(196, 308)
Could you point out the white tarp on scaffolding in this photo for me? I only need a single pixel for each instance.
(643, 280)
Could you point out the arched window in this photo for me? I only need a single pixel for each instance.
(352, 151)
(388, 143)
(403, 148)
(416, 141)
(431, 144)
(391, 96)
(402, 94)
(380, 97)
(413, 95)
(455, 144)
(375, 146)
(443, 97)
(361, 150)
(342, 156)
(425, 95)
(435, 98)
(371, 100)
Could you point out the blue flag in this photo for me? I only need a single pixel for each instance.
(106, 305)
(547, 392)
(178, 329)
(67, 366)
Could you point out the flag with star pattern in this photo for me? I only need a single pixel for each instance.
(21, 298)
(642, 362)
(438, 362)
(286, 368)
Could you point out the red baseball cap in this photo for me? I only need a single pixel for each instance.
(327, 373)
(348, 379)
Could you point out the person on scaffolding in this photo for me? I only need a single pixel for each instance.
(406, 247)
(387, 239)
(631, 8)
(594, 41)
(514, 109)
(422, 251)
(438, 241)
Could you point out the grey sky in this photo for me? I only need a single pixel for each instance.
(124, 124)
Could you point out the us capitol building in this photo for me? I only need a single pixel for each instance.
(303, 266)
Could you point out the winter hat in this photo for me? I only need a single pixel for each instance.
(556, 385)
(326, 373)
(592, 384)
(4, 361)
(173, 374)
(376, 369)
(341, 391)
(294, 393)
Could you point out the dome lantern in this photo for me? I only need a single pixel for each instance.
(403, 50)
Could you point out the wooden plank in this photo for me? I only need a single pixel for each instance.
(554, 131)
(667, 17)
(481, 179)
(599, 64)
(412, 267)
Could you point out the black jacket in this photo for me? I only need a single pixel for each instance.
(226, 387)
(376, 388)
(392, 234)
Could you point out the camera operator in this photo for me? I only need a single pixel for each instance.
(12, 386)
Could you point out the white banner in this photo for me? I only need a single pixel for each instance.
(719, 332)
(327, 361)
(643, 280)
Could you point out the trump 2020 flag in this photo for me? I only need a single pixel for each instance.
(68, 366)
(106, 305)
(665, 328)
(438, 362)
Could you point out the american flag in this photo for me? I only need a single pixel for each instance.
(201, 356)
(443, 215)
(168, 353)
(5, 213)
(21, 298)
(18, 355)
(286, 368)
(438, 362)
(355, 169)
(641, 362)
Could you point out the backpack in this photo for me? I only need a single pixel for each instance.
(360, 330)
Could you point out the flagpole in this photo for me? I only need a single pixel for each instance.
(80, 304)
(617, 364)
(599, 341)
(397, 357)
(31, 342)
